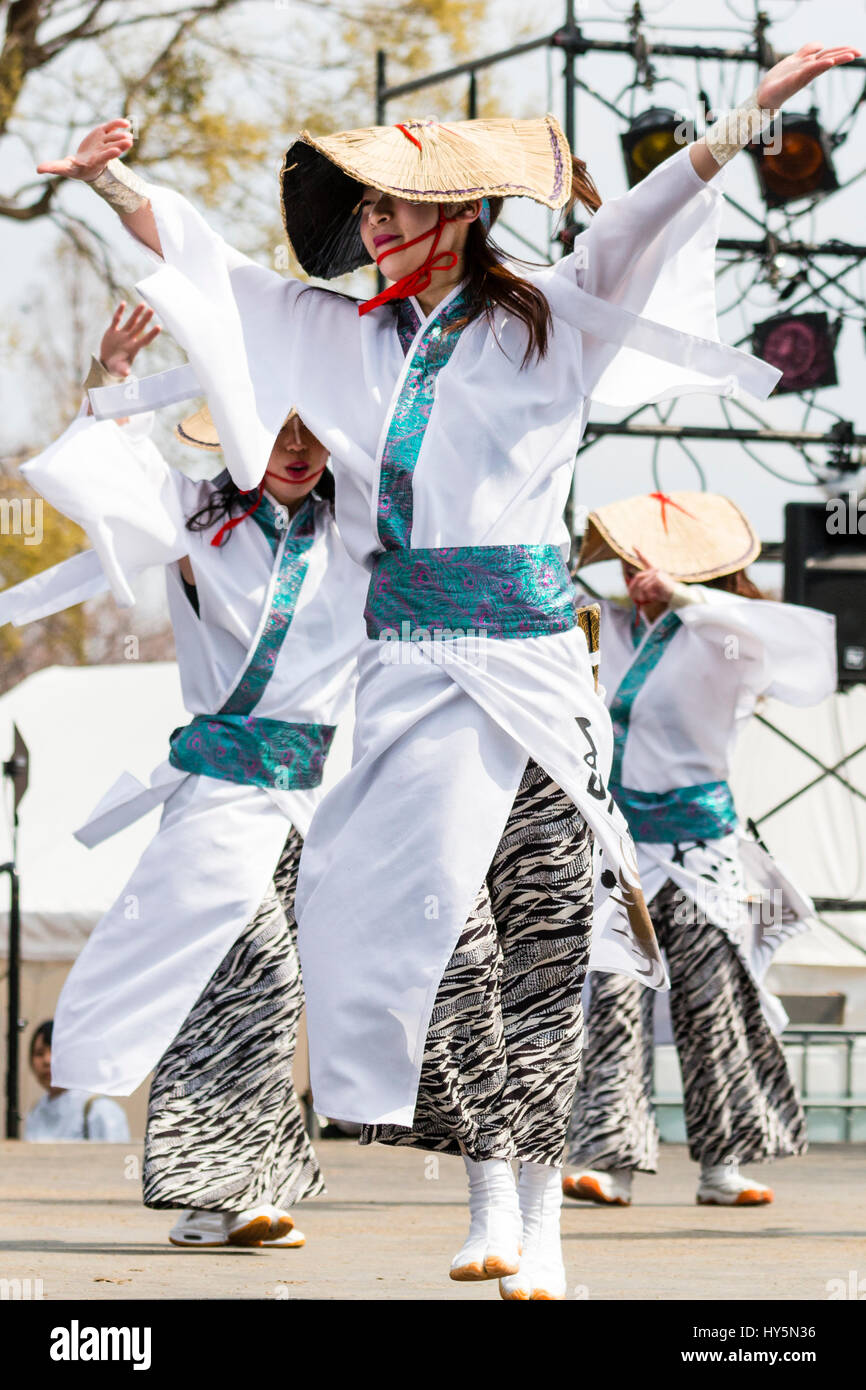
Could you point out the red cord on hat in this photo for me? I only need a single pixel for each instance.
(236, 520)
(666, 501)
(409, 136)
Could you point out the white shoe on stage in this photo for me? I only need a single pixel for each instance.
(292, 1240)
(493, 1246)
(284, 1233)
(541, 1276)
(723, 1185)
(611, 1188)
(254, 1225)
(203, 1228)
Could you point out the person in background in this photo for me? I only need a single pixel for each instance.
(685, 664)
(68, 1115)
(266, 610)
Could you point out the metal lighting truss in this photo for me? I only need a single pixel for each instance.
(809, 283)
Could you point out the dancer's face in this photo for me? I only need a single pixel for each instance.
(386, 223)
(296, 463)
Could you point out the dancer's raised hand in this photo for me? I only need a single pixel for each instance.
(796, 71)
(106, 142)
(649, 585)
(122, 342)
(125, 192)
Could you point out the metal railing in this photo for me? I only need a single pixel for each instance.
(805, 1038)
(820, 1034)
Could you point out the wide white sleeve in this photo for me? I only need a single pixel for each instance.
(246, 330)
(640, 284)
(114, 483)
(54, 589)
(792, 648)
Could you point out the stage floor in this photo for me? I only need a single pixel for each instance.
(70, 1216)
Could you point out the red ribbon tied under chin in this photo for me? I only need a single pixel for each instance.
(419, 279)
(665, 501)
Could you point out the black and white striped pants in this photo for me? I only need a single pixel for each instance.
(738, 1096)
(502, 1054)
(224, 1127)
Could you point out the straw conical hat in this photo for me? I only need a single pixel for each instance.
(200, 432)
(421, 161)
(692, 536)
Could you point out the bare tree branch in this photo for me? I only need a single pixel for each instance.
(188, 14)
(17, 213)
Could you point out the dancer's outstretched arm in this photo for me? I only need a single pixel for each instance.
(784, 80)
(621, 234)
(120, 188)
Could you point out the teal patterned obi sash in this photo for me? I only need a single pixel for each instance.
(703, 812)
(256, 752)
(476, 590)
(232, 744)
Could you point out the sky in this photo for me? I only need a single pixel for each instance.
(617, 468)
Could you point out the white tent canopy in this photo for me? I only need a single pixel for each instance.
(83, 727)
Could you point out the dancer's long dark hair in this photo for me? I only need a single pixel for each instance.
(491, 285)
(227, 499)
(736, 583)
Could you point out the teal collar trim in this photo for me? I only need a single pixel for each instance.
(273, 524)
(233, 745)
(647, 657)
(410, 418)
(292, 571)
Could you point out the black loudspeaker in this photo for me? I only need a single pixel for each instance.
(825, 567)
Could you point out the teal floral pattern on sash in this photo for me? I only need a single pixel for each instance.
(703, 812)
(491, 591)
(409, 422)
(255, 752)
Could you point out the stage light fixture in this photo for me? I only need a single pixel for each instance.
(800, 167)
(650, 140)
(802, 346)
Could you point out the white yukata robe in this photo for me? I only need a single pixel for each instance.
(680, 691)
(398, 850)
(203, 875)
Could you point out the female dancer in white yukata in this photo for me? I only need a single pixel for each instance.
(453, 407)
(684, 666)
(195, 967)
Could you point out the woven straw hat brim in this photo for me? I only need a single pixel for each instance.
(322, 179)
(695, 537)
(200, 432)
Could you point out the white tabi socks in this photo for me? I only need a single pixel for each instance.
(493, 1245)
(542, 1272)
